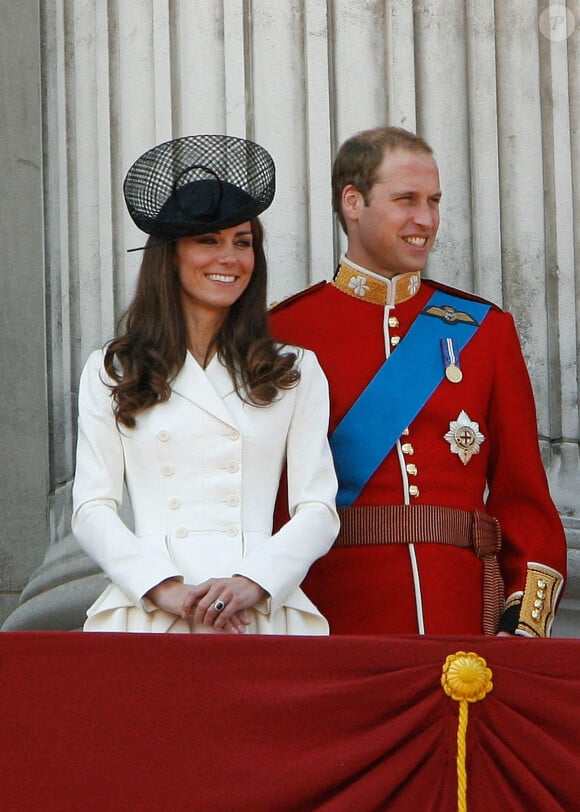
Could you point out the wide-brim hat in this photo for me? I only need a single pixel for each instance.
(197, 184)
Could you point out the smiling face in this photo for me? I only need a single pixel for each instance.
(394, 230)
(215, 269)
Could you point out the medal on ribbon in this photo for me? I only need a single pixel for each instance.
(450, 355)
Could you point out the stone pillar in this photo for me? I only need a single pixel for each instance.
(24, 439)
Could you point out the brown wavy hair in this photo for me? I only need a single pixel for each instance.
(151, 343)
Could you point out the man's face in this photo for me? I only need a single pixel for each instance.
(394, 233)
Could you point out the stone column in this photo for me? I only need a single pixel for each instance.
(24, 439)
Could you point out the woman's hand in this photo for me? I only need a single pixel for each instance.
(180, 599)
(236, 594)
(170, 595)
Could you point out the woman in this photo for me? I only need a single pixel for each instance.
(197, 411)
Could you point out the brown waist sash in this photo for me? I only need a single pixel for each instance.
(419, 524)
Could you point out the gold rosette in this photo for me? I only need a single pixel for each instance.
(465, 678)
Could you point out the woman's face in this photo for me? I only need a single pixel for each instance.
(215, 268)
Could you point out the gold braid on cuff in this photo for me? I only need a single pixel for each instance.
(541, 592)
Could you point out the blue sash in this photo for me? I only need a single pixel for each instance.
(399, 390)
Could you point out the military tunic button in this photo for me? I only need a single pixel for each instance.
(395, 340)
(181, 532)
(234, 434)
(233, 467)
(167, 470)
(408, 449)
(411, 469)
(232, 501)
(174, 503)
(163, 436)
(232, 531)
(538, 603)
(405, 432)
(540, 594)
(393, 321)
(535, 614)
(414, 490)
(542, 584)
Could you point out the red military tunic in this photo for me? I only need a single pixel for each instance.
(352, 325)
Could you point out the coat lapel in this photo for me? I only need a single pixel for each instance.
(203, 389)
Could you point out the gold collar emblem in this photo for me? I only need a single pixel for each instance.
(360, 284)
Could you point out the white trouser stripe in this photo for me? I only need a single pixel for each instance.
(417, 585)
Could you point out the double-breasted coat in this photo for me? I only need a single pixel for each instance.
(202, 473)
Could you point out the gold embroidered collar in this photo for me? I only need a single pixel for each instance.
(367, 286)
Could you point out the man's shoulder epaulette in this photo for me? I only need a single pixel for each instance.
(462, 294)
(317, 286)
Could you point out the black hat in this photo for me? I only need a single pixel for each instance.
(197, 184)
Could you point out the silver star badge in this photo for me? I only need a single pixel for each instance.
(464, 437)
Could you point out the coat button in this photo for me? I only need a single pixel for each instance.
(167, 470)
(411, 469)
(163, 436)
(234, 434)
(174, 503)
(232, 531)
(407, 448)
(395, 340)
(181, 532)
(232, 501)
(393, 321)
(414, 491)
(233, 467)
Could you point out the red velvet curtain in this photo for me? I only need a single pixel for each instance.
(271, 724)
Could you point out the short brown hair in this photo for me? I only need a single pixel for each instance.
(360, 156)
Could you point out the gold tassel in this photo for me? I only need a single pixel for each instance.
(465, 679)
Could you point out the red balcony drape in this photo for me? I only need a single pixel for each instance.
(272, 724)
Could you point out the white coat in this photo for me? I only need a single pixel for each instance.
(202, 472)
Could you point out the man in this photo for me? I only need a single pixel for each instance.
(433, 424)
